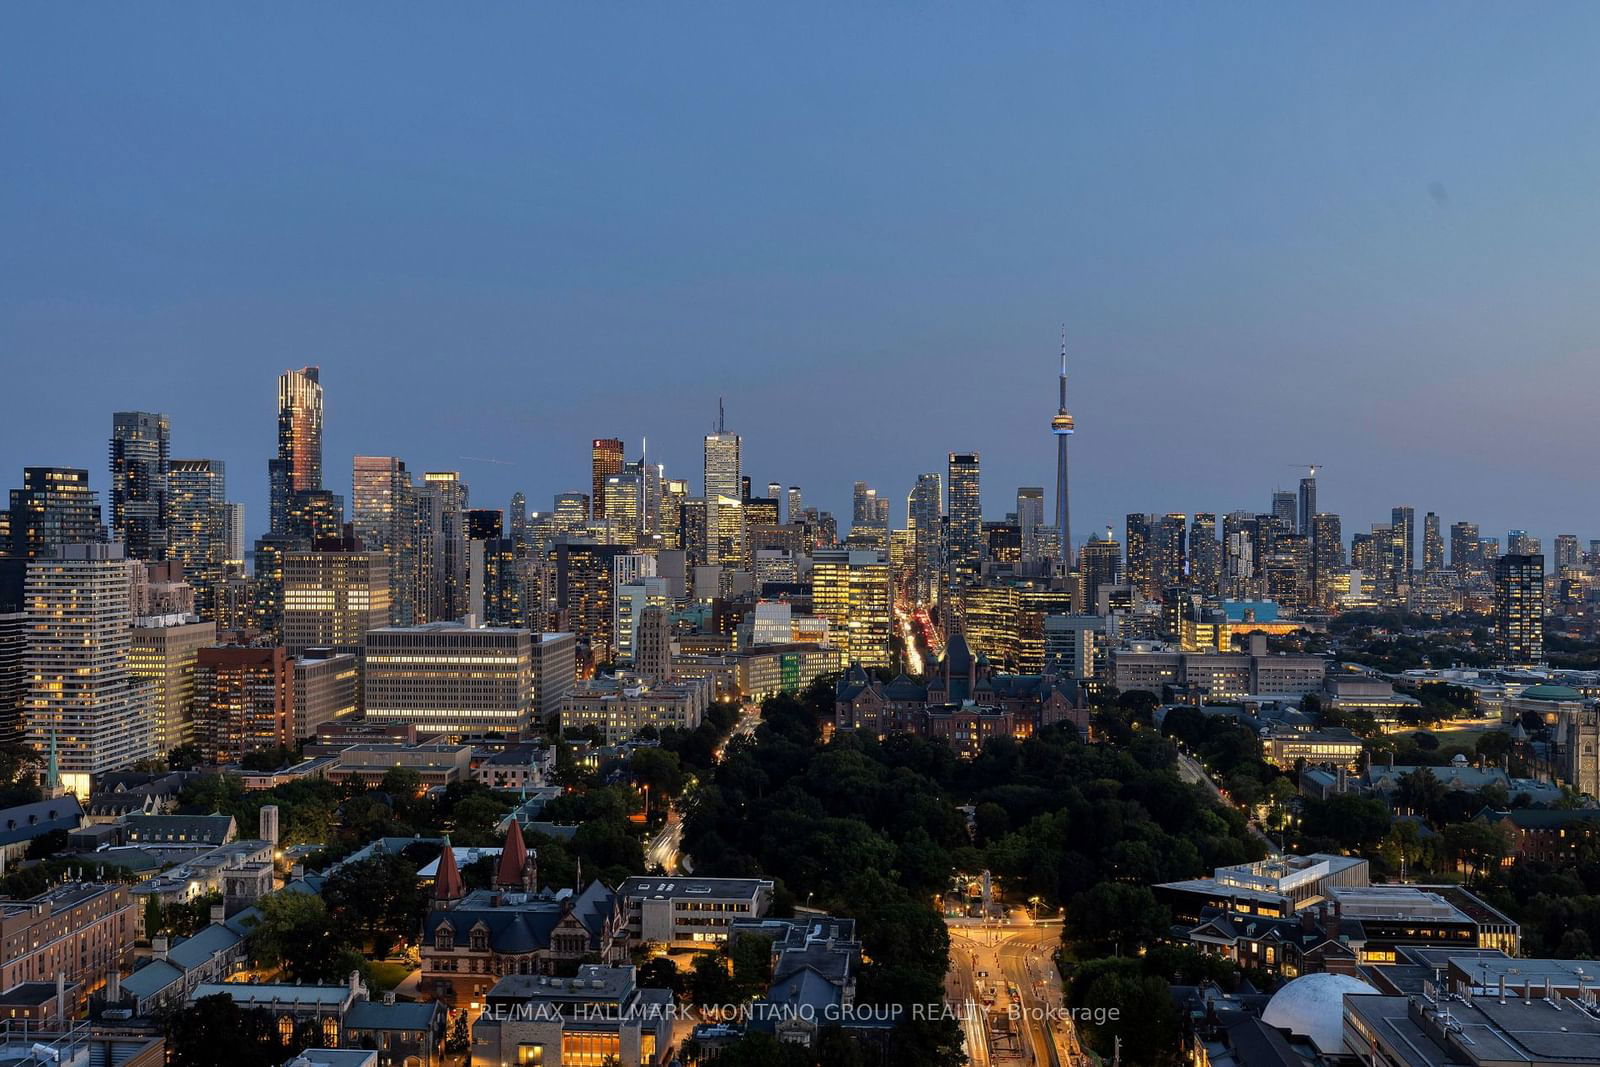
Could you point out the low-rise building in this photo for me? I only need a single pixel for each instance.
(438, 764)
(619, 706)
(1284, 746)
(599, 1015)
(691, 911)
(471, 939)
(80, 932)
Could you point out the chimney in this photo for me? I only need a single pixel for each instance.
(114, 986)
(1258, 644)
(61, 995)
(388, 998)
(297, 872)
(158, 948)
(218, 913)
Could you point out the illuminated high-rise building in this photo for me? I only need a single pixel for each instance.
(924, 506)
(1285, 509)
(452, 679)
(674, 491)
(1205, 554)
(692, 528)
(775, 490)
(84, 705)
(1061, 427)
(441, 546)
(519, 522)
(54, 507)
(1522, 543)
(1519, 608)
(730, 528)
(13, 674)
(1433, 544)
(1099, 561)
(796, 504)
(298, 464)
(244, 702)
(624, 508)
(1403, 529)
(570, 513)
(1466, 548)
(1566, 551)
(632, 598)
(139, 507)
(584, 589)
(164, 651)
(1140, 571)
(1307, 504)
(724, 479)
(1327, 555)
(198, 525)
(964, 534)
(605, 460)
(1030, 516)
(332, 596)
(383, 516)
(315, 514)
(1168, 542)
(851, 589)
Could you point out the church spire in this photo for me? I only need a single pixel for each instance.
(447, 884)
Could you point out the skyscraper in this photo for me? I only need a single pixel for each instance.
(332, 596)
(724, 479)
(1098, 563)
(1403, 525)
(1061, 426)
(441, 546)
(298, 465)
(1566, 551)
(83, 700)
(383, 515)
(1432, 544)
(1169, 551)
(519, 522)
(1205, 553)
(164, 650)
(605, 460)
(964, 540)
(1327, 554)
(850, 588)
(1284, 509)
(1519, 608)
(1466, 548)
(924, 504)
(796, 504)
(1030, 516)
(1308, 501)
(1140, 569)
(198, 525)
(54, 507)
(139, 515)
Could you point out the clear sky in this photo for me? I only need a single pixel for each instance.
(1358, 234)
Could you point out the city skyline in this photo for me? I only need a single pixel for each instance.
(1377, 266)
(997, 499)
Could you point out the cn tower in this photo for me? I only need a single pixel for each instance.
(1062, 427)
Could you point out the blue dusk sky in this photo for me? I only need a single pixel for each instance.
(1361, 234)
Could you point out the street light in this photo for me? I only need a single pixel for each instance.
(1035, 902)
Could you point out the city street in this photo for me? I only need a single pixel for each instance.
(1004, 985)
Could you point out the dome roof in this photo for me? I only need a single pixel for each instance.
(1551, 692)
(1313, 1006)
